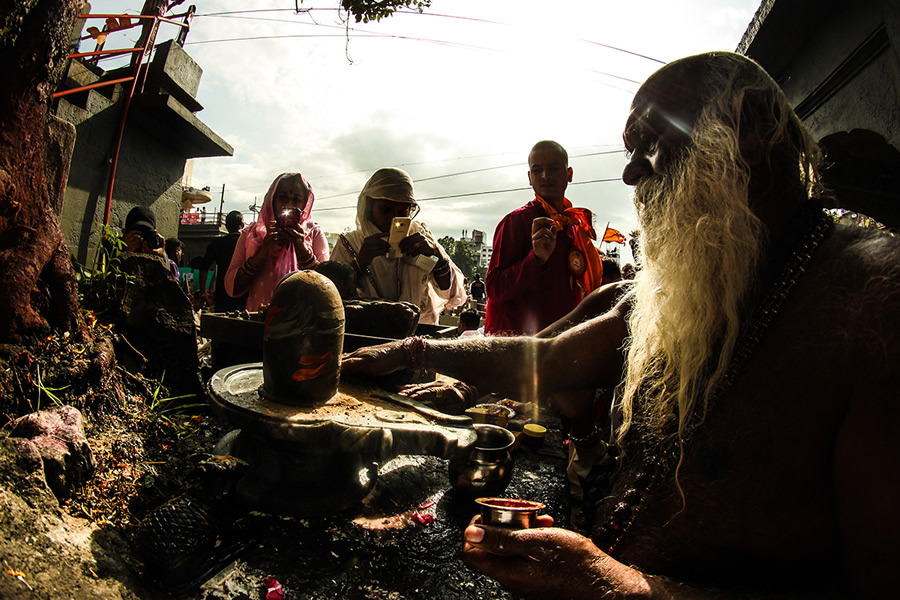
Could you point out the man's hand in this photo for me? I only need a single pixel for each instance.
(547, 562)
(135, 242)
(417, 244)
(441, 395)
(374, 245)
(376, 360)
(543, 238)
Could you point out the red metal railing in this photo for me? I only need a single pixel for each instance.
(133, 78)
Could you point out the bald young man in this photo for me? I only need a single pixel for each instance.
(542, 263)
(760, 412)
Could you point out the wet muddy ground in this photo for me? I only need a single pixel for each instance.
(378, 549)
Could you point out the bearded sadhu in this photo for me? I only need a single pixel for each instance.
(758, 420)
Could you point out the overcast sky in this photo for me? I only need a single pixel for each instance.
(456, 96)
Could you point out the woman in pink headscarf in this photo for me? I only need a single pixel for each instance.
(281, 241)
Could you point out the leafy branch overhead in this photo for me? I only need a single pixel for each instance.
(374, 10)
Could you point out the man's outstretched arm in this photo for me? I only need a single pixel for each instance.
(587, 356)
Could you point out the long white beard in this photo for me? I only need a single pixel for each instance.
(700, 248)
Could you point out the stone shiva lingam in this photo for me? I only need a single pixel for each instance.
(315, 444)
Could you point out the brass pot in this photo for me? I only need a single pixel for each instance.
(487, 469)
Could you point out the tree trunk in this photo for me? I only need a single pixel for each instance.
(39, 291)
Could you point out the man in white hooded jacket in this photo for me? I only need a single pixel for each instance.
(423, 275)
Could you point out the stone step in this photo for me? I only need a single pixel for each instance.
(94, 100)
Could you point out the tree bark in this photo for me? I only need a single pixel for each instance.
(39, 291)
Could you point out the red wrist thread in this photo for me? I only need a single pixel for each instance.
(415, 351)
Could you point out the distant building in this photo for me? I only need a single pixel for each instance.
(332, 240)
(476, 243)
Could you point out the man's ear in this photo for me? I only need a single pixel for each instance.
(570, 172)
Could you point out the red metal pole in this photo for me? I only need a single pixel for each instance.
(121, 131)
(91, 86)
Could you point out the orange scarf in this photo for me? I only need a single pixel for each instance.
(580, 219)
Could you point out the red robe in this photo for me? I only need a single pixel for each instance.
(523, 296)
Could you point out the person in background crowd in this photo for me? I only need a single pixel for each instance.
(174, 251)
(422, 273)
(284, 239)
(611, 271)
(469, 324)
(476, 289)
(219, 253)
(544, 260)
(139, 235)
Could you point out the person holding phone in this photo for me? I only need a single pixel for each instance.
(544, 259)
(284, 239)
(396, 257)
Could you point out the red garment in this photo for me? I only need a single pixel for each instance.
(524, 296)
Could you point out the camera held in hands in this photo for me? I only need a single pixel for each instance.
(152, 238)
(289, 217)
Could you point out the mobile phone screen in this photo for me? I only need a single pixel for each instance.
(289, 218)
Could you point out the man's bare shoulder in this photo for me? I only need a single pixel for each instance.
(863, 261)
(867, 448)
(849, 299)
(864, 246)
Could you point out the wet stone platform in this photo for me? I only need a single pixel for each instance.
(378, 549)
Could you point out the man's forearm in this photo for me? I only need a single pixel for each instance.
(508, 366)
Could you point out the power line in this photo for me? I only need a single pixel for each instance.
(518, 164)
(452, 196)
(439, 15)
(431, 162)
(496, 168)
(262, 10)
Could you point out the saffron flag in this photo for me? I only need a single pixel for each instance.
(613, 236)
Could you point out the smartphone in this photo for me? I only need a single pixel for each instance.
(399, 231)
(289, 217)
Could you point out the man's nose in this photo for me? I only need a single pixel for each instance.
(638, 167)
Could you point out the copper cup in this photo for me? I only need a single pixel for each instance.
(512, 513)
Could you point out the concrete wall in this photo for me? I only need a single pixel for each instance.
(148, 174)
(161, 133)
(867, 101)
(848, 50)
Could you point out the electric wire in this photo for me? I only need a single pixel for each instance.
(436, 177)
(408, 12)
(470, 194)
